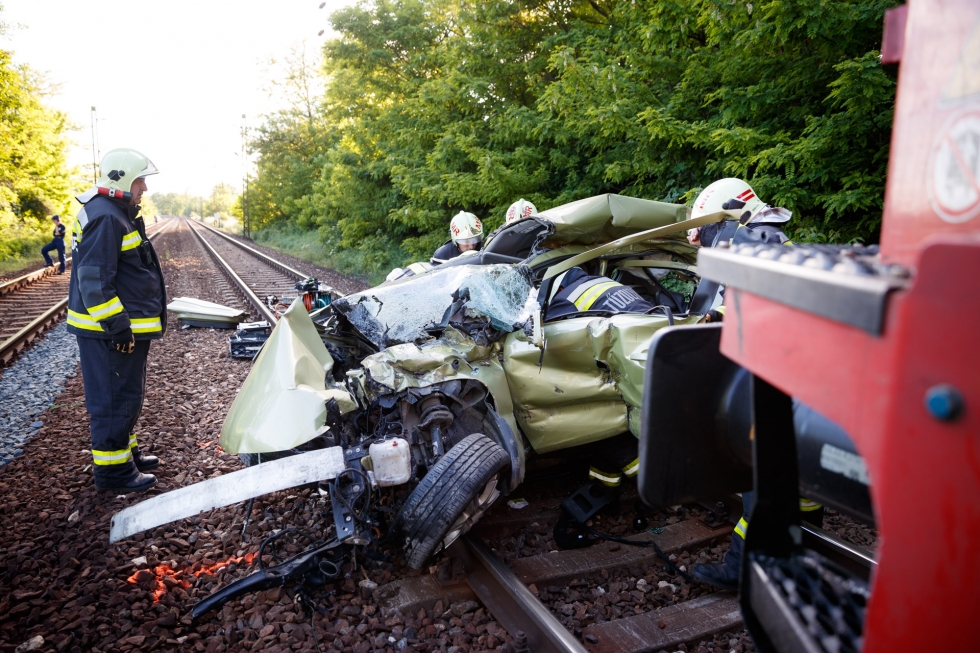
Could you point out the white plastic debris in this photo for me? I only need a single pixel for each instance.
(32, 644)
(518, 504)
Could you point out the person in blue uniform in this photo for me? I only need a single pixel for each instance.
(57, 243)
(465, 235)
(116, 306)
(753, 221)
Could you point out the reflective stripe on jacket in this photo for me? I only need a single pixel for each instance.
(116, 281)
(577, 292)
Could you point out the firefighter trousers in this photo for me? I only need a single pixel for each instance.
(614, 458)
(114, 386)
(811, 511)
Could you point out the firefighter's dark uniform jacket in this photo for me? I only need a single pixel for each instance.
(448, 250)
(577, 291)
(116, 282)
(763, 227)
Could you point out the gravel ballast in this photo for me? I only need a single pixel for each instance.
(61, 581)
(29, 386)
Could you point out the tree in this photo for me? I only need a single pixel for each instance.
(35, 180)
(433, 106)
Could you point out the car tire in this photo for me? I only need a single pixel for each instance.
(451, 497)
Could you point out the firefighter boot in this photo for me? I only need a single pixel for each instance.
(122, 478)
(723, 575)
(144, 463)
(139, 483)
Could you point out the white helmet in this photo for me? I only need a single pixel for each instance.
(731, 195)
(121, 167)
(520, 209)
(466, 229)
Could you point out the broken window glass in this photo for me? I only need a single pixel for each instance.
(418, 307)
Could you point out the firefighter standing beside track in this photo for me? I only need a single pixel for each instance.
(116, 305)
(755, 222)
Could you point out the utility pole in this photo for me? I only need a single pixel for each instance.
(95, 162)
(246, 226)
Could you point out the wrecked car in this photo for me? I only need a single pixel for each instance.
(432, 390)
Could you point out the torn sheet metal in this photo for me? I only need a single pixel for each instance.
(621, 344)
(282, 403)
(282, 474)
(638, 241)
(406, 310)
(190, 308)
(609, 216)
(588, 384)
(562, 398)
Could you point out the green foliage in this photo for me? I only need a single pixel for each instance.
(290, 238)
(429, 107)
(35, 180)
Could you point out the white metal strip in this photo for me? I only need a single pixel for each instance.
(275, 475)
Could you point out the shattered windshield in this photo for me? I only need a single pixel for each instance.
(403, 312)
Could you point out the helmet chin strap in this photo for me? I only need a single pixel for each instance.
(112, 192)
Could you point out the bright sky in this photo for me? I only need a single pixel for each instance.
(170, 78)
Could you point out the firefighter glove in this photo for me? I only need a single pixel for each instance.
(124, 341)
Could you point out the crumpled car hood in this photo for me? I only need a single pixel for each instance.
(282, 403)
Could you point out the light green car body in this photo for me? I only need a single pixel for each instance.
(577, 381)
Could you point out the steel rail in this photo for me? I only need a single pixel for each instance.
(250, 295)
(856, 559)
(16, 343)
(510, 601)
(30, 277)
(279, 265)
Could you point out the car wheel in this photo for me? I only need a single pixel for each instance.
(452, 497)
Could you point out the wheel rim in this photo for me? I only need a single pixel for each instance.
(473, 511)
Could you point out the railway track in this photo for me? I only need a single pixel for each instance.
(596, 599)
(35, 302)
(254, 274)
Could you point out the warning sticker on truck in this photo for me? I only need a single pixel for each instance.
(955, 184)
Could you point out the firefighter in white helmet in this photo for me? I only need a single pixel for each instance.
(116, 306)
(519, 210)
(466, 234)
(752, 219)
